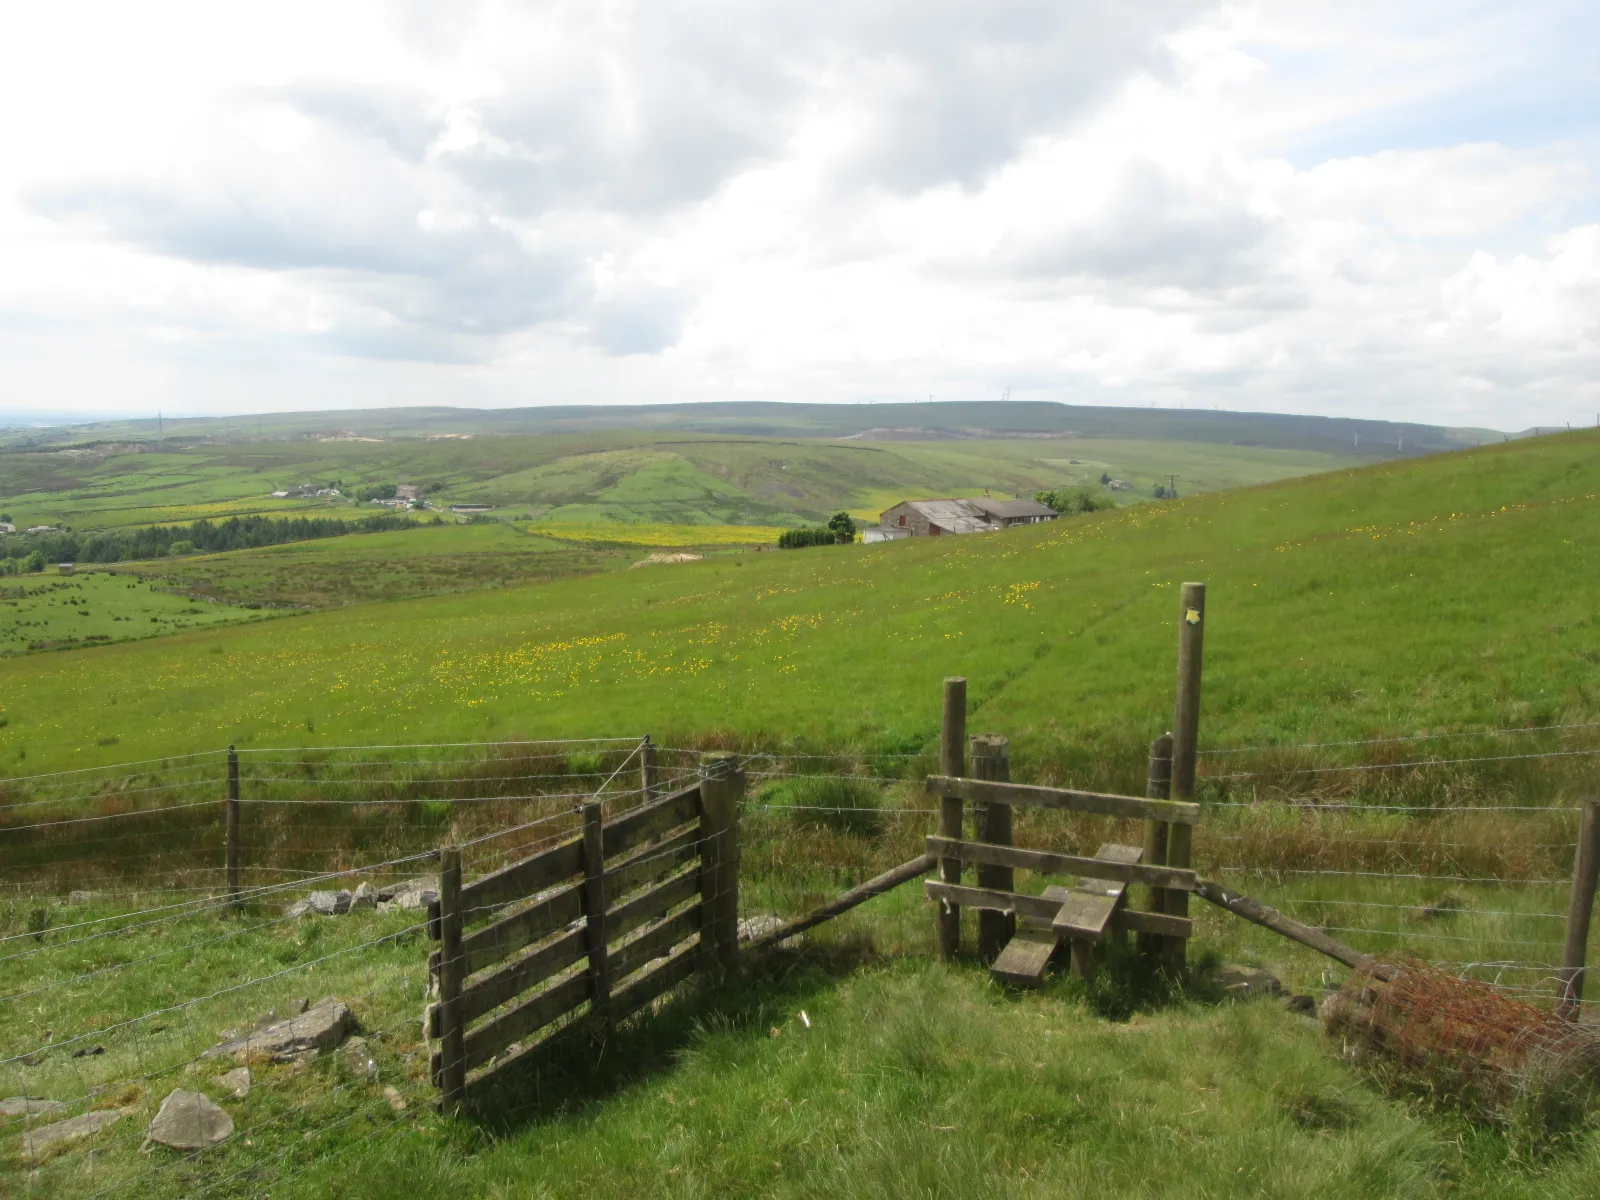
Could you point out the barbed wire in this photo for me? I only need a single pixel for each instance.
(1419, 737)
(1429, 762)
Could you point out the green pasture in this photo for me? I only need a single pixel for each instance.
(1436, 593)
(369, 567)
(608, 477)
(52, 611)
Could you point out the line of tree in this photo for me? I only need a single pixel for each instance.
(839, 529)
(29, 552)
(1072, 500)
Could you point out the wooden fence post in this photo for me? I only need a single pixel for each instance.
(649, 775)
(1185, 745)
(452, 1048)
(952, 761)
(231, 828)
(991, 760)
(1585, 872)
(722, 785)
(1158, 786)
(594, 908)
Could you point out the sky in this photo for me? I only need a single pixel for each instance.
(1344, 208)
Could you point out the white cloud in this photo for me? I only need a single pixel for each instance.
(1311, 208)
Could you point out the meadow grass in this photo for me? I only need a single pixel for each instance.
(52, 611)
(650, 534)
(1434, 594)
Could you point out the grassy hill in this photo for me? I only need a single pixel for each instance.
(892, 421)
(1440, 592)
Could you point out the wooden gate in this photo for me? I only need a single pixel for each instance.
(645, 898)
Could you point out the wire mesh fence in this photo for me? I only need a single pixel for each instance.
(124, 960)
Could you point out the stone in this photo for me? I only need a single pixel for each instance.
(1305, 1006)
(358, 1060)
(237, 1081)
(189, 1121)
(363, 897)
(28, 1106)
(758, 925)
(341, 903)
(51, 1137)
(397, 1102)
(1248, 982)
(410, 894)
(318, 1029)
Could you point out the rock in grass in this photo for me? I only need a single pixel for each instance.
(46, 1138)
(397, 1102)
(318, 1029)
(28, 1106)
(190, 1121)
(363, 897)
(237, 1081)
(1248, 982)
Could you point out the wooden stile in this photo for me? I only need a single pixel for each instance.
(991, 761)
(1185, 748)
(1158, 786)
(1049, 863)
(721, 789)
(952, 763)
(1040, 908)
(986, 792)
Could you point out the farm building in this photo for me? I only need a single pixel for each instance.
(936, 518)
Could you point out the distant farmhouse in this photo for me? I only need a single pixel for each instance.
(938, 518)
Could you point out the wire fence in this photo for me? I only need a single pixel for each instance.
(125, 959)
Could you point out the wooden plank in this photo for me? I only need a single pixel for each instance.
(1025, 957)
(983, 791)
(521, 879)
(1270, 918)
(594, 907)
(843, 903)
(533, 1014)
(493, 943)
(654, 862)
(1048, 863)
(1043, 909)
(489, 992)
(646, 987)
(489, 945)
(952, 761)
(655, 942)
(639, 825)
(452, 1072)
(991, 761)
(651, 905)
(722, 785)
(1085, 915)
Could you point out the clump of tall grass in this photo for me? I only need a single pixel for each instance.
(839, 803)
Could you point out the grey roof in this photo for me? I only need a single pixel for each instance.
(952, 516)
(1010, 509)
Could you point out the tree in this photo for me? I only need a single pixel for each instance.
(33, 563)
(844, 529)
(180, 547)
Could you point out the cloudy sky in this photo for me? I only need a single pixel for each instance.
(1351, 208)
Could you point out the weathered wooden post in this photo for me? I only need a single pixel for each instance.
(594, 908)
(649, 776)
(722, 785)
(1185, 747)
(231, 828)
(452, 1079)
(952, 762)
(991, 760)
(1585, 872)
(1157, 786)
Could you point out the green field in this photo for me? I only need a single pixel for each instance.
(607, 477)
(56, 612)
(367, 567)
(1445, 592)
(1406, 598)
